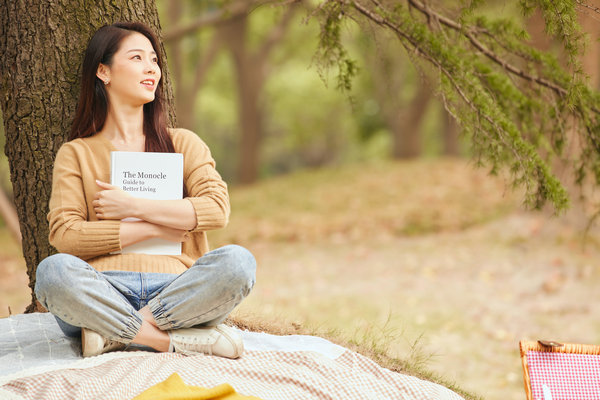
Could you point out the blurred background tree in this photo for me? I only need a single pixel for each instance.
(520, 108)
(245, 80)
(523, 103)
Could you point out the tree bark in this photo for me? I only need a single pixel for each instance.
(41, 46)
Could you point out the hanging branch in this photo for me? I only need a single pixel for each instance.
(228, 11)
(471, 34)
(515, 102)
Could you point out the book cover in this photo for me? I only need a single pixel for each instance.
(155, 176)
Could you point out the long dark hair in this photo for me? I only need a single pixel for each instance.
(93, 98)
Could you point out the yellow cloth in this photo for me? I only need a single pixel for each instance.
(174, 388)
(75, 229)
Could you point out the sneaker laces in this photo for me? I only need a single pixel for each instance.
(189, 346)
(215, 341)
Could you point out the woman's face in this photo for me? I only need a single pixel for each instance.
(134, 73)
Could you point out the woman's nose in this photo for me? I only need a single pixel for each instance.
(151, 67)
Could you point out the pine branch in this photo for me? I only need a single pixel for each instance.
(436, 63)
(470, 34)
(500, 128)
(589, 7)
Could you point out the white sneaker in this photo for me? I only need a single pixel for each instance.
(93, 344)
(220, 340)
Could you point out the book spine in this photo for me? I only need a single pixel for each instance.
(113, 178)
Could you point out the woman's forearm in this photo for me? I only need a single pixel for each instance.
(177, 214)
(132, 232)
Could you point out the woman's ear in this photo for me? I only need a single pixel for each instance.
(103, 73)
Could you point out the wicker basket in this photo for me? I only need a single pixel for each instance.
(550, 347)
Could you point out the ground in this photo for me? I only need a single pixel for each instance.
(432, 261)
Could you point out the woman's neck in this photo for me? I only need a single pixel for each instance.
(124, 127)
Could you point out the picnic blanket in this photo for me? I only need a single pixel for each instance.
(37, 361)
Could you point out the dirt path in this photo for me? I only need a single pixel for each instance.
(465, 298)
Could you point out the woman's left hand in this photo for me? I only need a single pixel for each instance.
(112, 202)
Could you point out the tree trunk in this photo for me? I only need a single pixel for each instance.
(41, 46)
(250, 78)
(390, 77)
(406, 125)
(250, 67)
(189, 87)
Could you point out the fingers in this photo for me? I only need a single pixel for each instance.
(105, 185)
(98, 209)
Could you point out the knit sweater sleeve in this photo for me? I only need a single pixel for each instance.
(71, 230)
(205, 189)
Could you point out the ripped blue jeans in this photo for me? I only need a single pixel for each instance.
(108, 302)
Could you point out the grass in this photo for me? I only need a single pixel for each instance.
(382, 198)
(373, 343)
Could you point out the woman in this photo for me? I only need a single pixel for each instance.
(169, 303)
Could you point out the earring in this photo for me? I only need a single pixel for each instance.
(106, 82)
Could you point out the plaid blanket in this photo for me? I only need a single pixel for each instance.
(280, 370)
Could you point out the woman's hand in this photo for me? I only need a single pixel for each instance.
(113, 203)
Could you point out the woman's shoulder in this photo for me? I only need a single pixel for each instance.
(72, 147)
(81, 144)
(81, 148)
(183, 138)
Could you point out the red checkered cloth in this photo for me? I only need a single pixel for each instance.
(568, 376)
(265, 374)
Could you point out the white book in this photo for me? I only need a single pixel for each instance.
(155, 176)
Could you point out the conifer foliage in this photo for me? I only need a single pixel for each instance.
(520, 108)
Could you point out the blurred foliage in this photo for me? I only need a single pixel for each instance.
(521, 108)
(307, 122)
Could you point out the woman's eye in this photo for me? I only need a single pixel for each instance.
(155, 59)
(138, 57)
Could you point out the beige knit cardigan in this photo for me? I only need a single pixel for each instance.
(75, 229)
